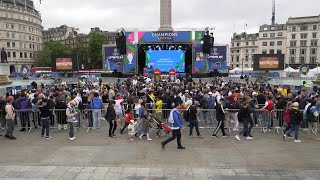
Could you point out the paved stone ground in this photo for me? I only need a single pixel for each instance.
(93, 156)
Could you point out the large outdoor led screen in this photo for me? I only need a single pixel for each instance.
(166, 60)
(64, 64)
(268, 62)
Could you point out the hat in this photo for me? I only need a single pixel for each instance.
(187, 91)
(295, 104)
(10, 99)
(210, 93)
(188, 103)
(254, 94)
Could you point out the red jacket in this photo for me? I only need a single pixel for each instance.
(128, 117)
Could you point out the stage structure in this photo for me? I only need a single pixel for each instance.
(164, 50)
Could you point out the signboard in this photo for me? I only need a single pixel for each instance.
(304, 69)
(199, 35)
(217, 58)
(130, 37)
(268, 62)
(64, 63)
(25, 70)
(200, 65)
(112, 59)
(165, 36)
(130, 59)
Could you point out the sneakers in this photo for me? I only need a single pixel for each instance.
(71, 139)
(162, 146)
(6, 136)
(23, 129)
(214, 136)
(249, 138)
(49, 137)
(149, 139)
(225, 136)
(191, 136)
(285, 137)
(237, 137)
(110, 137)
(12, 138)
(297, 141)
(200, 136)
(181, 147)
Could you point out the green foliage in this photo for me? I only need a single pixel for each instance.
(95, 49)
(43, 57)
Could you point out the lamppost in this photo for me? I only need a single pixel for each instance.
(242, 68)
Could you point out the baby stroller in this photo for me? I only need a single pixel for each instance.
(162, 126)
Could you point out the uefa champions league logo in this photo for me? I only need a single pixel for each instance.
(115, 52)
(130, 57)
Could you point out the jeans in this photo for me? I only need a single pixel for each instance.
(176, 133)
(126, 124)
(313, 125)
(246, 128)
(205, 118)
(90, 118)
(112, 128)
(236, 121)
(24, 117)
(71, 130)
(96, 118)
(10, 127)
(294, 128)
(3, 122)
(45, 126)
(194, 124)
(267, 119)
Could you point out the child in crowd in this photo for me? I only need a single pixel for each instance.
(131, 129)
(128, 118)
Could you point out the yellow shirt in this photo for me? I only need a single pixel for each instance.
(283, 91)
(159, 106)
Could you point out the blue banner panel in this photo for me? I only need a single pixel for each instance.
(112, 59)
(218, 58)
(165, 36)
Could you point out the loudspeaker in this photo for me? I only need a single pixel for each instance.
(206, 44)
(121, 43)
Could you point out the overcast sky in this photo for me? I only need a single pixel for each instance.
(227, 16)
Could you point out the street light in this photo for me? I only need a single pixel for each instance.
(241, 77)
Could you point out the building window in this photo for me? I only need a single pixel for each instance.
(253, 51)
(271, 51)
(272, 34)
(313, 60)
(264, 44)
(232, 58)
(293, 43)
(280, 28)
(280, 34)
(253, 43)
(292, 60)
(9, 54)
(237, 58)
(271, 43)
(302, 51)
(314, 42)
(232, 44)
(14, 54)
(303, 36)
(303, 43)
(246, 58)
(315, 27)
(272, 28)
(313, 51)
(304, 28)
(13, 44)
(247, 43)
(302, 59)
(30, 55)
(294, 28)
(292, 51)
(8, 44)
(279, 43)
(21, 55)
(264, 52)
(29, 46)
(12, 26)
(25, 55)
(279, 52)
(237, 65)
(314, 35)
(246, 65)
(238, 51)
(8, 35)
(265, 35)
(12, 34)
(238, 44)
(293, 36)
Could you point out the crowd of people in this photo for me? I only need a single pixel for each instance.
(134, 103)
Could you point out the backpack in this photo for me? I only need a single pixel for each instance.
(3, 111)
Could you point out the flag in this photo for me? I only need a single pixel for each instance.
(246, 24)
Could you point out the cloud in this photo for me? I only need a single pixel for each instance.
(227, 16)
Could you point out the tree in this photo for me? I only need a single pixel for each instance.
(83, 55)
(95, 49)
(43, 57)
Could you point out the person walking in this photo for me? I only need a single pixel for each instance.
(71, 118)
(143, 121)
(295, 120)
(192, 118)
(111, 118)
(10, 115)
(176, 125)
(128, 118)
(286, 117)
(45, 118)
(220, 116)
(244, 116)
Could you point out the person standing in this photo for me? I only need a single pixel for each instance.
(244, 116)
(268, 107)
(111, 118)
(295, 120)
(71, 118)
(192, 118)
(96, 106)
(313, 114)
(176, 125)
(45, 117)
(220, 115)
(143, 121)
(10, 117)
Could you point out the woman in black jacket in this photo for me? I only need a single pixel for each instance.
(111, 118)
(295, 121)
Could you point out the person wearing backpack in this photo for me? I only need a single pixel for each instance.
(96, 107)
(10, 115)
(313, 114)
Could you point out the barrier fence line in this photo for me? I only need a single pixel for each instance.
(92, 118)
